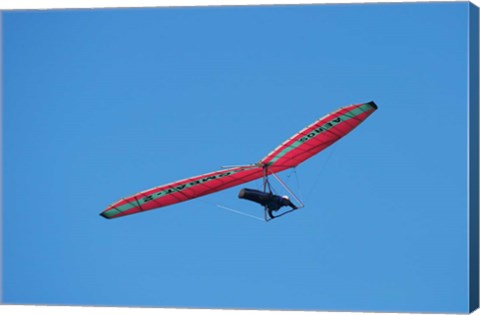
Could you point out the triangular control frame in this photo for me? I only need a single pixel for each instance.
(267, 189)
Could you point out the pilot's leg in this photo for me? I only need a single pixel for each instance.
(270, 213)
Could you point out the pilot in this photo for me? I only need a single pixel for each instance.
(270, 201)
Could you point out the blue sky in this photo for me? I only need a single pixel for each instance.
(100, 104)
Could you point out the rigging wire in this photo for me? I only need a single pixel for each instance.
(240, 212)
(297, 180)
(317, 180)
(209, 204)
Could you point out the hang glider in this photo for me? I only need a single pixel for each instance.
(303, 145)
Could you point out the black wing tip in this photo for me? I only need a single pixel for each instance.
(372, 103)
(104, 215)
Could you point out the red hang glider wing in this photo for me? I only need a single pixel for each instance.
(318, 136)
(182, 190)
(292, 152)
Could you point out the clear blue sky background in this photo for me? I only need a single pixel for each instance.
(100, 104)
